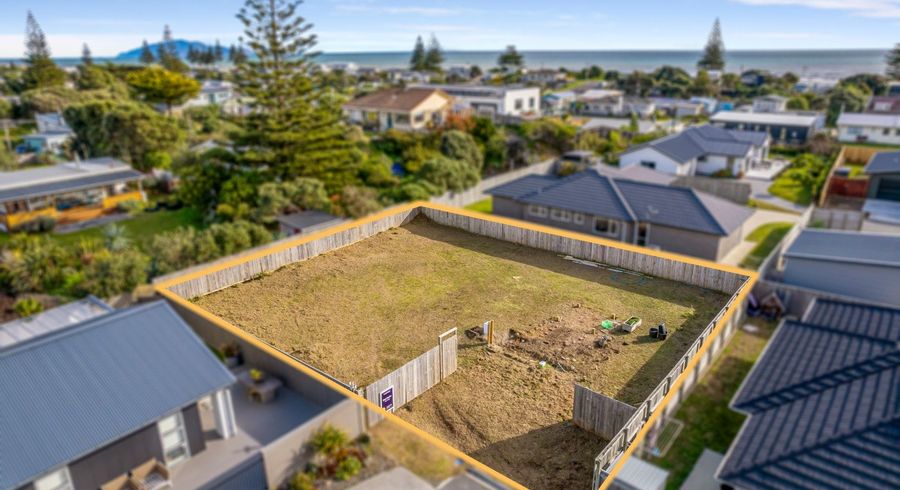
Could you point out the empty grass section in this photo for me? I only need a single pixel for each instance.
(767, 237)
(482, 206)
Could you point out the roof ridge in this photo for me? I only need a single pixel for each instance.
(77, 328)
(693, 192)
(836, 437)
(622, 200)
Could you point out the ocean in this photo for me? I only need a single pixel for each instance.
(831, 64)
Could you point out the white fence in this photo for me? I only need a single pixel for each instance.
(599, 414)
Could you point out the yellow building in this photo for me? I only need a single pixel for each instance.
(405, 109)
(68, 192)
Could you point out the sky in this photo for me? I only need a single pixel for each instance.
(110, 27)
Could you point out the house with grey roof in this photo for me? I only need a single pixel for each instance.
(883, 170)
(51, 136)
(67, 192)
(822, 404)
(770, 103)
(303, 222)
(855, 127)
(848, 264)
(614, 206)
(704, 150)
(787, 128)
(120, 399)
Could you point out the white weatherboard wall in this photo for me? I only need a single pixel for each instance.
(870, 134)
(664, 163)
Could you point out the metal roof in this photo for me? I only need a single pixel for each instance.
(823, 404)
(642, 475)
(776, 118)
(80, 388)
(628, 200)
(844, 246)
(69, 185)
(885, 162)
(873, 120)
(698, 141)
(479, 90)
(42, 323)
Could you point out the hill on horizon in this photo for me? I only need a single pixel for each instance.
(181, 46)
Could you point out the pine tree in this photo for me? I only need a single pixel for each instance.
(434, 57)
(238, 55)
(86, 58)
(417, 61)
(295, 127)
(168, 53)
(893, 63)
(146, 54)
(218, 54)
(510, 58)
(41, 71)
(714, 52)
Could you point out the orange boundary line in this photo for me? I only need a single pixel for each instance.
(163, 289)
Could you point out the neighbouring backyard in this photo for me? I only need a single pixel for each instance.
(483, 206)
(803, 180)
(362, 311)
(708, 420)
(766, 237)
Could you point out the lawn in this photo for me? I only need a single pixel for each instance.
(766, 237)
(141, 228)
(361, 311)
(787, 188)
(708, 421)
(482, 206)
(753, 203)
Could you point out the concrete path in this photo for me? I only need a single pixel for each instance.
(760, 192)
(703, 476)
(398, 477)
(759, 218)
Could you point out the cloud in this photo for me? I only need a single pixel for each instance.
(864, 8)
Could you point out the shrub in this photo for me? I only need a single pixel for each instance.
(132, 206)
(26, 307)
(329, 441)
(108, 274)
(449, 174)
(302, 481)
(360, 201)
(348, 468)
(458, 145)
(38, 225)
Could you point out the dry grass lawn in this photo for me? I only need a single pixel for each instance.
(362, 311)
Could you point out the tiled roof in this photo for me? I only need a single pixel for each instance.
(823, 404)
(885, 162)
(843, 246)
(395, 99)
(628, 200)
(70, 392)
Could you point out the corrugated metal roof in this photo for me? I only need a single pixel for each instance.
(71, 185)
(775, 118)
(16, 331)
(71, 392)
(843, 246)
(885, 162)
(824, 404)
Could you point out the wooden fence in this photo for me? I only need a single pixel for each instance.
(599, 414)
(417, 376)
(622, 439)
(638, 261)
(476, 193)
(732, 190)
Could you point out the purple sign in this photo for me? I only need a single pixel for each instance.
(387, 399)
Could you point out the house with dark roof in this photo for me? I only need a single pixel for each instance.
(884, 104)
(822, 404)
(655, 215)
(704, 150)
(787, 128)
(94, 397)
(67, 192)
(849, 264)
(408, 109)
(883, 170)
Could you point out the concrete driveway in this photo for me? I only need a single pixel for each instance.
(760, 217)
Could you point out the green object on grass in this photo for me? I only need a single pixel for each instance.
(606, 324)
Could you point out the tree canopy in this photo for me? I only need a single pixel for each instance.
(41, 71)
(160, 86)
(893, 63)
(147, 57)
(714, 53)
(434, 57)
(510, 59)
(417, 60)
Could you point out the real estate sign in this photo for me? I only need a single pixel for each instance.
(387, 399)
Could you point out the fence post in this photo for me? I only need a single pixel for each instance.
(441, 339)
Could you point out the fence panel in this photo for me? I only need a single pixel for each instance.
(600, 414)
(476, 193)
(415, 377)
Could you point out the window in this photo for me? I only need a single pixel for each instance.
(531, 102)
(561, 215)
(539, 211)
(897, 132)
(519, 104)
(648, 164)
(419, 117)
(886, 132)
(57, 480)
(854, 130)
(174, 439)
(578, 219)
(606, 226)
(701, 158)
